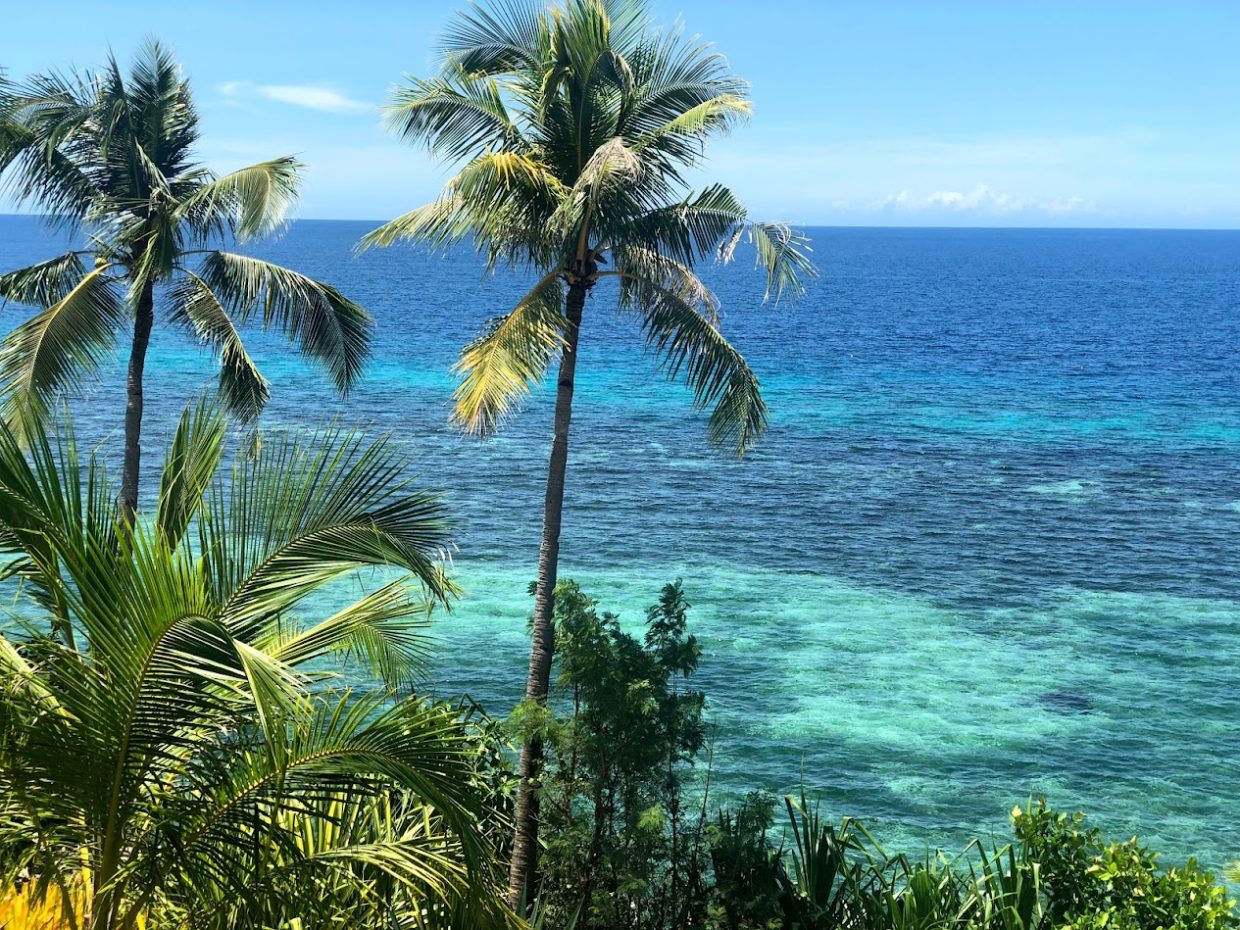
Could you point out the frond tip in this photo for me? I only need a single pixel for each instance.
(250, 202)
(784, 254)
(197, 308)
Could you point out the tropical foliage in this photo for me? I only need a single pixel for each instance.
(629, 843)
(830, 876)
(191, 738)
(577, 125)
(622, 845)
(574, 128)
(175, 750)
(113, 155)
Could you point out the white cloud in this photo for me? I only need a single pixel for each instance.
(309, 96)
(1030, 178)
(902, 199)
(985, 200)
(980, 198)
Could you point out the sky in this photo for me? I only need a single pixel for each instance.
(866, 112)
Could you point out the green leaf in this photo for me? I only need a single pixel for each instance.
(57, 349)
(249, 202)
(325, 325)
(189, 468)
(43, 284)
(500, 366)
(242, 386)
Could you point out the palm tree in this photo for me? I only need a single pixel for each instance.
(115, 157)
(575, 126)
(173, 752)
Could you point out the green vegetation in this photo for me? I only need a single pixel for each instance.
(173, 750)
(622, 846)
(114, 158)
(576, 124)
(630, 843)
(178, 747)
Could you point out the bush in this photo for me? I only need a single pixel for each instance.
(1091, 884)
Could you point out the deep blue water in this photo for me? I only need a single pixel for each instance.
(989, 548)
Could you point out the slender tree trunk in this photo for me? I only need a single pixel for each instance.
(143, 318)
(524, 865)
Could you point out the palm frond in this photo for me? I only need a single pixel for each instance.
(613, 167)
(499, 178)
(242, 387)
(189, 467)
(784, 254)
(641, 264)
(496, 38)
(386, 629)
(293, 518)
(57, 349)
(442, 222)
(692, 230)
(685, 132)
(499, 202)
(337, 826)
(47, 153)
(250, 202)
(45, 283)
(51, 503)
(156, 118)
(690, 347)
(673, 74)
(500, 366)
(452, 115)
(325, 325)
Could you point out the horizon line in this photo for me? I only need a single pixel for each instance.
(798, 225)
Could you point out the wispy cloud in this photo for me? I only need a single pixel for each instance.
(983, 199)
(309, 96)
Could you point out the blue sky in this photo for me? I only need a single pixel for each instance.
(999, 113)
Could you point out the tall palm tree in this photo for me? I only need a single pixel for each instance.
(575, 125)
(172, 751)
(115, 157)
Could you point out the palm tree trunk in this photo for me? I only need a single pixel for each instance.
(523, 867)
(143, 319)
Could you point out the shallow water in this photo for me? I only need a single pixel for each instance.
(990, 547)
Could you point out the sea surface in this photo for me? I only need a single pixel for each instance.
(989, 549)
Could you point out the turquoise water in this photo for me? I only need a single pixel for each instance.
(990, 548)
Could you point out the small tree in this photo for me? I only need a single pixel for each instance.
(622, 850)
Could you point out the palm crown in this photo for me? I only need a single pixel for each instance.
(171, 750)
(114, 155)
(576, 126)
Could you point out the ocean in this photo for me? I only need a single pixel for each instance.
(989, 549)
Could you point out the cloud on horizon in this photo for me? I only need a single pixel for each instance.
(983, 199)
(319, 97)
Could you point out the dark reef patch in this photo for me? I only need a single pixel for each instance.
(1067, 701)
